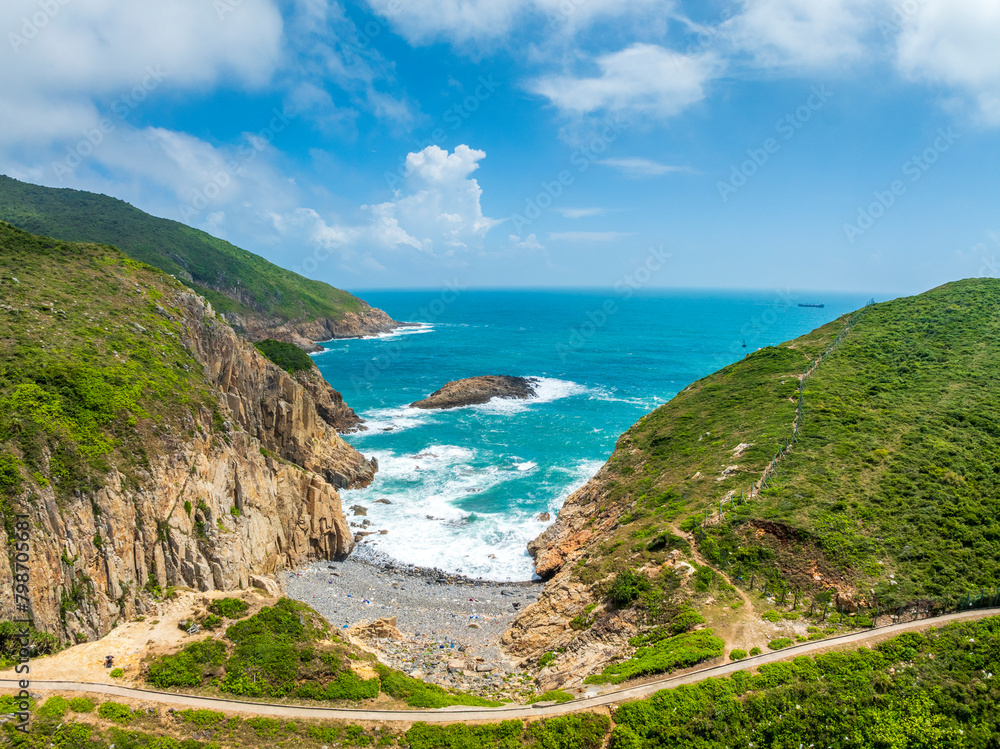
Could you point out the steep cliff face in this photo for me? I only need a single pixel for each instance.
(329, 402)
(367, 321)
(238, 477)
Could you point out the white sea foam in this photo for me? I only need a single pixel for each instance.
(396, 419)
(526, 466)
(426, 527)
(547, 389)
(647, 403)
(417, 329)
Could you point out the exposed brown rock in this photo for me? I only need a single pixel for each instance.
(307, 334)
(474, 390)
(220, 502)
(329, 402)
(576, 524)
(382, 629)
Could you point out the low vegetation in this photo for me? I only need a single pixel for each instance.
(663, 656)
(936, 689)
(232, 279)
(889, 484)
(288, 356)
(927, 690)
(288, 651)
(91, 373)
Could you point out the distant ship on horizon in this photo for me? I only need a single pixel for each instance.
(819, 306)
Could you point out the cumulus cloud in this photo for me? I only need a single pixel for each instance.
(530, 242)
(60, 59)
(437, 212)
(955, 44)
(796, 34)
(643, 79)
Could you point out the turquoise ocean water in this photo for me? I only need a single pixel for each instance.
(467, 486)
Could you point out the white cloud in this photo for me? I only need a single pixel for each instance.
(643, 79)
(579, 212)
(437, 212)
(637, 167)
(588, 236)
(463, 21)
(530, 242)
(105, 48)
(796, 34)
(958, 44)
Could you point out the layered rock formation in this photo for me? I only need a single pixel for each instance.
(305, 334)
(545, 625)
(474, 390)
(329, 402)
(240, 489)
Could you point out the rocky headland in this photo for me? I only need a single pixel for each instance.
(306, 334)
(214, 483)
(475, 390)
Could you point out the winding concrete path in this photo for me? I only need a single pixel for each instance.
(475, 714)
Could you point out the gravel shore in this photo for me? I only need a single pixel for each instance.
(451, 626)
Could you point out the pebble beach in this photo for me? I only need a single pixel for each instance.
(450, 625)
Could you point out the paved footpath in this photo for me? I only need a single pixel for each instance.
(459, 714)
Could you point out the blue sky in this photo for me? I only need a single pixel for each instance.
(818, 144)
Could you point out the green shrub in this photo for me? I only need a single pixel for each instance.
(263, 727)
(771, 616)
(703, 579)
(54, 707)
(580, 731)
(755, 650)
(556, 695)
(187, 667)
(288, 356)
(117, 673)
(737, 655)
(117, 712)
(505, 735)
(349, 686)
(81, 705)
(230, 608)
(779, 643)
(915, 690)
(421, 694)
(680, 651)
(211, 622)
(547, 659)
(201, 718)
(627, 586)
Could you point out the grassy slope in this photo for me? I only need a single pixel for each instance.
(91, 371)
(288, 650)
(80, 723)
(938, 689)
(894, 473)
(234, 280)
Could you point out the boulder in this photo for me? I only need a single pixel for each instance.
(475, 390)
(268, 584)
(382, 629)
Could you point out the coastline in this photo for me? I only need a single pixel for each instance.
(450, 626)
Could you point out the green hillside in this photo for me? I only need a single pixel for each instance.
(233, 280)
(891, 483)
(92, 369)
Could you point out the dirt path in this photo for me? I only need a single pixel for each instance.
(469, 715)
